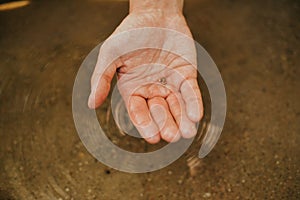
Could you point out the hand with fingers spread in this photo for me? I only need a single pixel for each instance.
(159, 85)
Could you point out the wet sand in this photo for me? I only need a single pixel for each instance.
(256, 47)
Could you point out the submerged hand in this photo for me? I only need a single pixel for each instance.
(159, 87)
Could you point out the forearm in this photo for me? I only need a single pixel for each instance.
(165, 6)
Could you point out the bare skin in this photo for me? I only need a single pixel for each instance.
(159, 88)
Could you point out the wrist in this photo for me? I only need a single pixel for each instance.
(165, 7)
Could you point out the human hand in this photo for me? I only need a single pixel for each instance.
(159, 88)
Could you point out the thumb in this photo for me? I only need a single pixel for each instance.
(102, 76)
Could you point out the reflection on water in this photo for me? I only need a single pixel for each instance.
(13, 5)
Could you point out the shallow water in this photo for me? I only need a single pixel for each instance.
(256, 47)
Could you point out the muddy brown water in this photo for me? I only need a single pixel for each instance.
(254, 43)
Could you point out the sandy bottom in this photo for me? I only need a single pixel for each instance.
(256, 47)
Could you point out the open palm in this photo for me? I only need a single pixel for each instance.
(159, 87)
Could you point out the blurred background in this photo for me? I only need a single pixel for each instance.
(254, 43)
